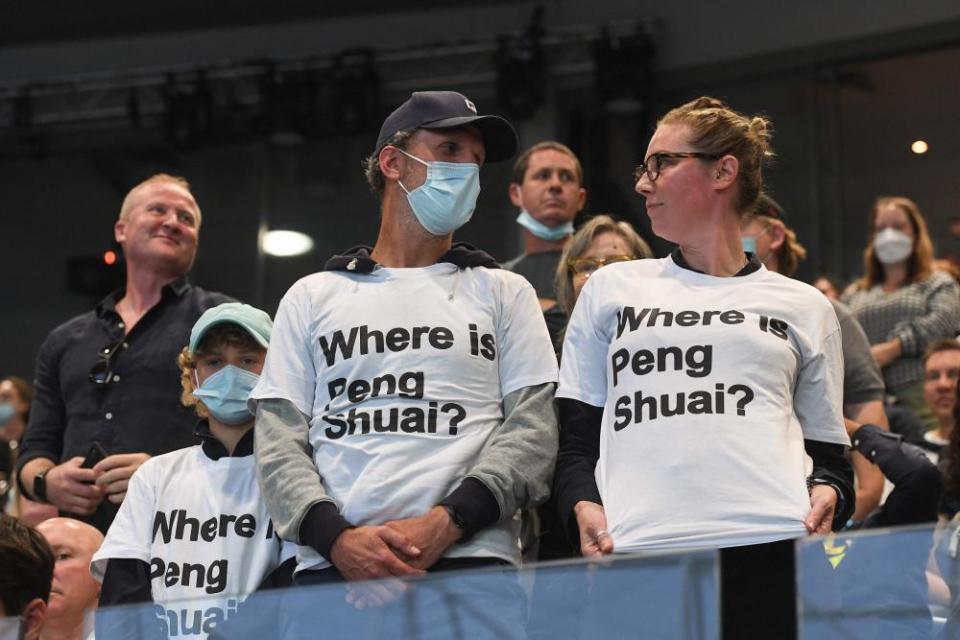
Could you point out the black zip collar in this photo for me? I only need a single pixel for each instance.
(753, 263)
(215, 450)
(357, 259)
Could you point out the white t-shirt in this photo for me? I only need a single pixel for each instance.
(203, 527)
(709, 386)
(403, 374)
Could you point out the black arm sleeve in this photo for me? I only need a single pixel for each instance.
(917, 481)
(574, 479)
(831, 466)
(281, 577)
(127, 581)
(44, 435)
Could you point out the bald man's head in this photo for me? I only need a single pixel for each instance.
(74, 591)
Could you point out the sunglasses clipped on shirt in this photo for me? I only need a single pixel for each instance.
(586, 266)
(101, 373)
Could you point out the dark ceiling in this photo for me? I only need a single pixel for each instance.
(60, 20)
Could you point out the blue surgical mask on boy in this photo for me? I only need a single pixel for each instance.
(446, 200)
(7, 412)
(225, 394)
(541, 230)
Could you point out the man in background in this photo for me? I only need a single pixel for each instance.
(73, 591)
(107, 387)
(547, 187)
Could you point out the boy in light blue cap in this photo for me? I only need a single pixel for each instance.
(193, 524)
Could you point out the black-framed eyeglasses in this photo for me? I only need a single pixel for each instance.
(101, 373)
(654, 162)
(586, 266)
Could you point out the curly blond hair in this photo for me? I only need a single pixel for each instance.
(218, 337)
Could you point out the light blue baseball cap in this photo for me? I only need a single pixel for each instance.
(256, 322)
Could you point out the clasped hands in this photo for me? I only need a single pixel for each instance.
(398, 548)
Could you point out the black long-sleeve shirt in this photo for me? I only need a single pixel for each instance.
(580, 450)
(139, 410)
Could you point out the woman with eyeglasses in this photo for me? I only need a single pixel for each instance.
(903, 303)
(599, 242)
(700, 394)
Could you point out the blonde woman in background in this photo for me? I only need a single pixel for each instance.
(601, 241)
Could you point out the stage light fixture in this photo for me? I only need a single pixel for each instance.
(187, 110)
(287, 106)
(522, 70)
(624, 76)
(356, 90)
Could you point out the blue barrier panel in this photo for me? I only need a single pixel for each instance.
(9, 628)
(669, 596)
(869, 584)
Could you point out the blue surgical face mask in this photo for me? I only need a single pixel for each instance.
(7, 413)
(541, 230)
(225, 394)
(446, 200)
(749, 244)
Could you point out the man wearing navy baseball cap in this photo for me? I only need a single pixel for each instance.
(404, 414)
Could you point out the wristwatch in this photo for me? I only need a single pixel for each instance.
(455, 517)
(40, 486)
(841, 503)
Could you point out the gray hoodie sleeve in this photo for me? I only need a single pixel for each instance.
(291, 485)
(515, 468)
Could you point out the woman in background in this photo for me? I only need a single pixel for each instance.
(901, 302)
(16, 396)
(599, 242)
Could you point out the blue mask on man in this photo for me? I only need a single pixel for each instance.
(541, 230)
(446, 200)
(225, 394)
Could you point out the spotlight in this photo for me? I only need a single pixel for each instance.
(522, 70)
(285, 244)
(96, 276)
(919, 147)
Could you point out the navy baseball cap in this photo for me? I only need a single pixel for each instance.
(446, 109)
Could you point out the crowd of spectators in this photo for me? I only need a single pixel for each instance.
(415, 408)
